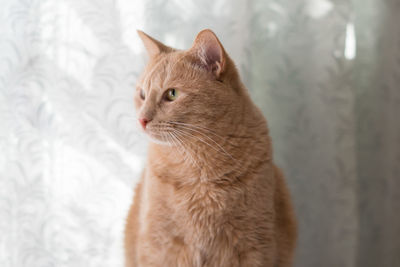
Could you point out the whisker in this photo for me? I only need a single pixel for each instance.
(186, 133)
(175, 135)
(191, 158)
(228, 154)
(198, 127)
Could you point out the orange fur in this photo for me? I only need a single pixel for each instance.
(210, 194)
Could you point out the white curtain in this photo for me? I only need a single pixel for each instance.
(325, 73)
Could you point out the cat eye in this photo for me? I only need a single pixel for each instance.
(142, 95)
(171, 94)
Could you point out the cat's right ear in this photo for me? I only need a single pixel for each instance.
(153, 46)
(209, 52)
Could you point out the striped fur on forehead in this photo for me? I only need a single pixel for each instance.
(173, 70)
(154, 72)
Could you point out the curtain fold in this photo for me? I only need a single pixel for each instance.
(325, 73)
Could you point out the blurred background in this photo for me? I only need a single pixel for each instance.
(326, 74)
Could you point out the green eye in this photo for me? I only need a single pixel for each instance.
(142, 95)
(172, 94)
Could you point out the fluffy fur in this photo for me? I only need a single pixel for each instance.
(210, 194)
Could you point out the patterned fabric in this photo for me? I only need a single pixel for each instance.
(325, 73)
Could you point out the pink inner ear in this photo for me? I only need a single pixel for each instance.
(209, 52)
(212, 53)
(211, 56)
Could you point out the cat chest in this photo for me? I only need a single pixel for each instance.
(206, 225)
(194, 227)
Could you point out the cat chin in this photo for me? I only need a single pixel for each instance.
(158, 141)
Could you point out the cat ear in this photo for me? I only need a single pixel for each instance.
(153, 46)
(209, 52)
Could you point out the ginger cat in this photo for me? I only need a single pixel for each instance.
(210, 194)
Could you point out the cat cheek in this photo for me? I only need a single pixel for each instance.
(137, 103)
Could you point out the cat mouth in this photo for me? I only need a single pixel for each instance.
(160, 135)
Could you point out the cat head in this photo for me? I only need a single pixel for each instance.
(183, 91)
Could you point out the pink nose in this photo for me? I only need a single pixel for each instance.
(143, 122)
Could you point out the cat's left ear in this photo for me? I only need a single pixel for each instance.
(209, 52)
(153, 46)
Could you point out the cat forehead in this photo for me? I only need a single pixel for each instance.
(156, 68)
(167, 68)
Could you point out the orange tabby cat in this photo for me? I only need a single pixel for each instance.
(210, 194)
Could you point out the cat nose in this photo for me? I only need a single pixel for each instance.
(143, 122)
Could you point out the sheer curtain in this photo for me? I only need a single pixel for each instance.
(325, 73)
